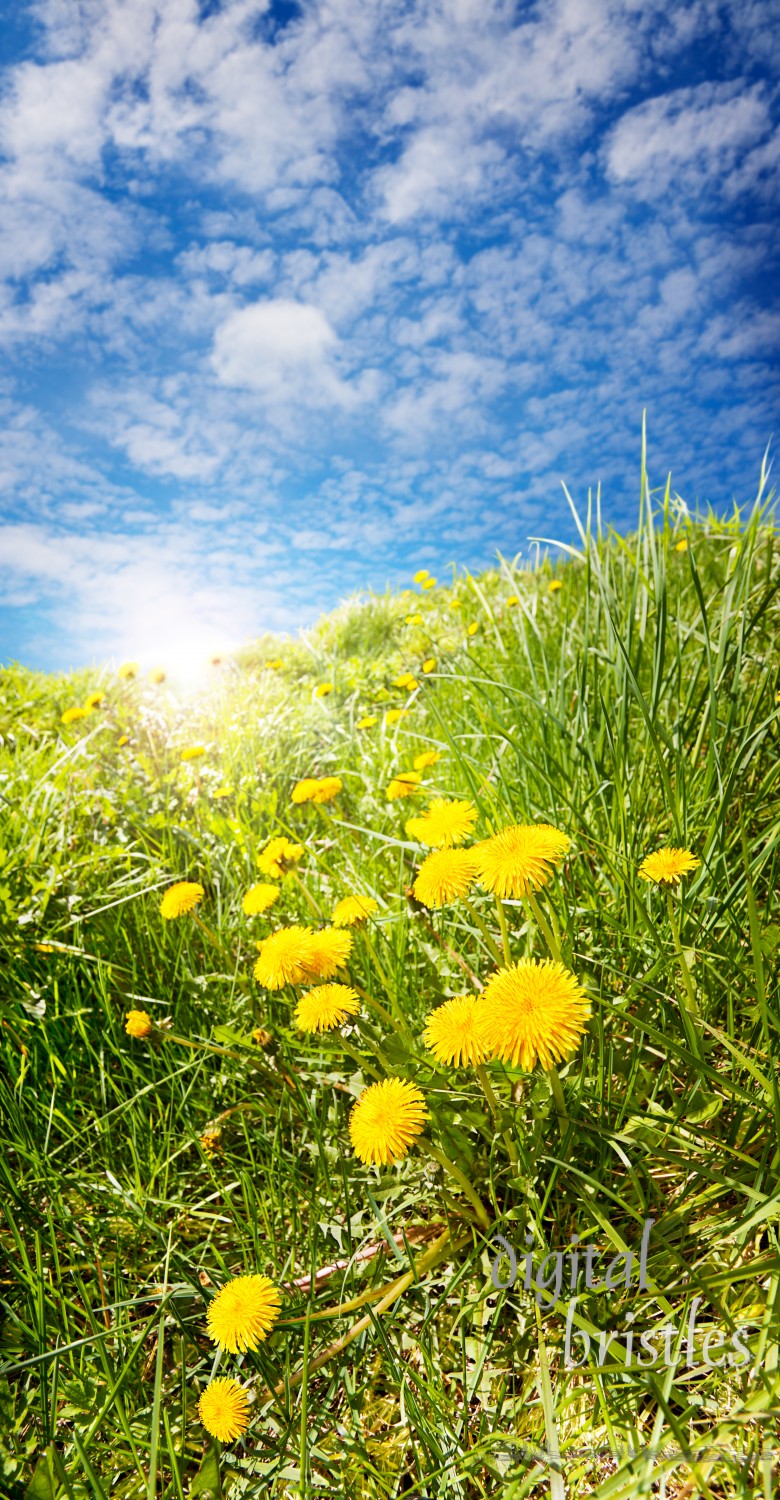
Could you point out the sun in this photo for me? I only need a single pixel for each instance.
(174, 636)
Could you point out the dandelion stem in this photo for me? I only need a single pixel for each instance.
(212, 936)
(502, 922)
(374, 1005)
(495, 1110)
(484, 929)
(459, 1177)
(689, 1006)
(390, 1294)
(686, 973)
(384, 977)
(487, 1089)
(545, 928)
(456, 957)
(200, 1046)
(556, 1088)
(556, 929)
(383, 974)
(365, 1067)
(308, 897)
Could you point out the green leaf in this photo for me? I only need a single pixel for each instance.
(227, 1036)
(43, 1485)
(707, 1111)
(770, 938)
(207, 1481)
(396, 1051)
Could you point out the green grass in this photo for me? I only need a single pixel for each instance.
(637, 706)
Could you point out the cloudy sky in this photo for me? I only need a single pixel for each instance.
(297, 297)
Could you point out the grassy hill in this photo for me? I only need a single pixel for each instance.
(625, 694)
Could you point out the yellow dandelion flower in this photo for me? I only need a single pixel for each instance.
(681, 546)
(328, 787)
(283, 958)
(124, 739)
(243, 1313)
(445, 875)
(94, 700)
(224, 1409)
(303, 791)
(139, 1024)
(48, 948)
(443, 823)
(367, 722)
(128, 670)
(193, 752)
(386, 1121)
(454, 604)
(667, 866)
(415, 619)
(259, 898)
(157, 674)
(273, 666)
(211, 1142)
(421, 575)
(353, 909)
(322, 690)
(428, 583)
(512, 601)
(279, 856)
(328, 952)
(521, 858)
(472, 628)
(554, 586)
(326, 1006)
(406, 679)
(429, 665)
(405, 784)
(425, 759)
(180, 899)
(395, 715)
(221, 792)
(71, 715)
(452, 1032)
(532, 1011)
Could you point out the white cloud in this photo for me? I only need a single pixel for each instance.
(440, 171)
(280, 348)
(237, 263)
(688, 138)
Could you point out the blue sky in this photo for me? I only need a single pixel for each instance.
(296, 298)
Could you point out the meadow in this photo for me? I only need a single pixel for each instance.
(617, 697)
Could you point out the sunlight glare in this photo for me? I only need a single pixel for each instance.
(178, 638)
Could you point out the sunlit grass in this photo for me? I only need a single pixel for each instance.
(632, 708)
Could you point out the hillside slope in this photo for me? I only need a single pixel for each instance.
(627, 696)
